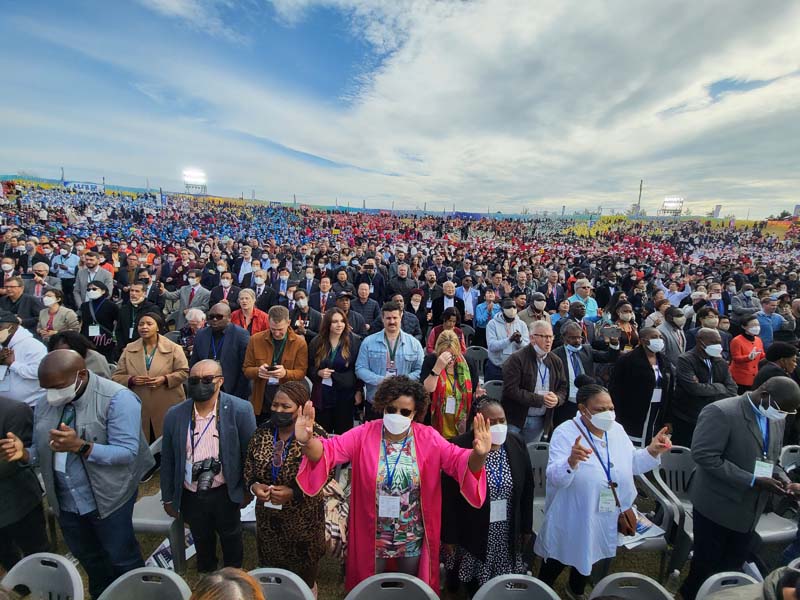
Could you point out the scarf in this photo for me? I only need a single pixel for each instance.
(462, 390)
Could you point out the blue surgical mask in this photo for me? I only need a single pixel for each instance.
(572, 348)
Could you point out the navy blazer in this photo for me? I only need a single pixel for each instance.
(231, 357)
(237, 424)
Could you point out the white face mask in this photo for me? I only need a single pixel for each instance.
(192, 281)
(309, 276)
(539, 351)
(284, 277)
(510, 312)
(539, 305)
(48, 301)
(259, 280)
(710, 323)
(754, 330)
(714, 350)
(749, 293)
(625, 316)
(396, 423)
(604, 421)
(302, 303)
(7, 268)
(655, 345)
(499, 433)
(59, 397)
(94, 294)
(226, 283)
(63, 252)
(4, 333)
(679, 321)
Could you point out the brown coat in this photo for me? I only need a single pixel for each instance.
(169, 360)
(260, 351)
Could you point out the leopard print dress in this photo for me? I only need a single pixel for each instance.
(292, 538)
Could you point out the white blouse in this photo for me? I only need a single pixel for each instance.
(575, 532)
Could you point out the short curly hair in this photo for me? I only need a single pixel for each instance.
(391, 388)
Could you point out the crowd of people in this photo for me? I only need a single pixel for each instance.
(266, 346)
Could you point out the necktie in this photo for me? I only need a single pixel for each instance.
(225, 293)
(258, 291)
(681, 341)
(38, 290)
(323, 300)
(577, 367)
(191, 296)
(291, 304)
(308, 286)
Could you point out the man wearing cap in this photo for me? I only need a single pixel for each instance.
(88, 443)
(471, 298)
(771, 321)
(583, 291)
(535, 310)
(357, 323)
(23, 305)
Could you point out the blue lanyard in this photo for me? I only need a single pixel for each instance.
(607, 465)
(765, 431)
(542, 376)
(277, 470)
(214, 345)
(197, 443)
(390, 472)
(497, 477)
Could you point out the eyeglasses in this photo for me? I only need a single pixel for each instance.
(215, 317)
(195, 379)
(391, 410)
(544, 337)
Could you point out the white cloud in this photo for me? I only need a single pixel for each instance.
(202, 15)
(509, 104)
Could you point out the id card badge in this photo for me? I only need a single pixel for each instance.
(94, 330)
(763, 468)
(656, 398)
(607, 503)
(450, 406)
(273, 506)
(371, 289)
(187, 474)
(391, 370)
(498, 511)
(60, 462)
(429, 304)
(273, 381)
(5, 380)
(130, 333)
(327, 381)
(389, 507)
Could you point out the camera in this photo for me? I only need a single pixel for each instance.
(203, 473)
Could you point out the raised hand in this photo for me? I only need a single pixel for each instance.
(660, 443)
(11, 448)
(578, 454)
(304, 425)
(483, 436)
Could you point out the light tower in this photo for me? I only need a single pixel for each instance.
(195, 181)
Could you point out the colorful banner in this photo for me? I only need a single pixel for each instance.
(85, 186)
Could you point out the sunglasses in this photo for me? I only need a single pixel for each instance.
(194, 379)
(215, 317)
(391, 410)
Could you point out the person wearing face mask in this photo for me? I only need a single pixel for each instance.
(203, 451)
(25, 306)
(397, 464)
(290, 525)
(590, 481)
(709, 317)
(503, 526)
(41, 281)
(226, 292)
(99, 316)
(747, 350)
(642, 387)
(55, 317)
(191, 295)
(506, 333)
(92, 272)
(744, 304)
(20, 355)
(702, 377)
(129, 312)
(736, 447)
(673, 334)
(305, 320)
(535, 310)
(88, 444)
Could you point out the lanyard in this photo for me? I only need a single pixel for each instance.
(392, 349)
(658, 376)
(214, 349)
(765, 431)
(148, 358)
(606, 465)
(279, 348)
(197, 443)
(542, 374)
(277, 470)
(332, 355)
(710, 371)
(497, 477)
(390, 472)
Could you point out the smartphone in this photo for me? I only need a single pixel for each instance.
(610, 331)
(27, 276)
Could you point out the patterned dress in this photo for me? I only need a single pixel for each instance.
(292, 538)
(399, 537)
(500, 558)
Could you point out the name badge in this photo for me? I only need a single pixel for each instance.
(94, 330)
(389, 507)
(606, 503)
(60, 462)
(327, 381)
(763, 468)
(498, 511)
(627, 348)
(429, 304)
(391, 372)
(130, 333)
(450, 406)
(273, 381)
(656, 398)
(371, 289)
(273, 506)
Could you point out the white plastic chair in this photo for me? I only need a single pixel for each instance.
(46, 575)
(630, 585)
(494, 389)
(392, 586)
(539, 453)
(279, 584)
(722, 582)
(795, 564)
(151, 583)
(469, 333)
(790, 458)
(515, 587)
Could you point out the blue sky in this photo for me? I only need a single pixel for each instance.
(483, 103)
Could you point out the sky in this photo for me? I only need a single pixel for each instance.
(485, 105)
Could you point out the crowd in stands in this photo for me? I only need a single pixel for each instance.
(266, 345)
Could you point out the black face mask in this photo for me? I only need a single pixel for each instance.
(201, 392)
(282, 419)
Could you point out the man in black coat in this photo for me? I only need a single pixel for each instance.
(129, 313)
(226, 292)
(25, 306)
(553, 291)
(225, 343)
(447, 300)
(304, 320)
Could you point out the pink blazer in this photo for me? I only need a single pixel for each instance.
(361, 446)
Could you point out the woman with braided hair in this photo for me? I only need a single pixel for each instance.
(290, 526)
(502, 527)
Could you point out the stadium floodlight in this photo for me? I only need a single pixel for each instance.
(192, 176)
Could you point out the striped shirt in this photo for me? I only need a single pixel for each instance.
(206, 440)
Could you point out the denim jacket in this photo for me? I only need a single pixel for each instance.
(374, 354)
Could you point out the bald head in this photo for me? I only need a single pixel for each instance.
(219, 316)
(206, 367)
(708, 336)
(60, 368)
(782, 391)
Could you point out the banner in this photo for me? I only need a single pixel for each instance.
(85, 186)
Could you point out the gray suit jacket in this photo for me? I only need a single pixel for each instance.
(672, 349)
(201, 300)
(727, 442)
(53, 283)
(82, 282)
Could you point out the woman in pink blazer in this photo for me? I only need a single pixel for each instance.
(396, 500)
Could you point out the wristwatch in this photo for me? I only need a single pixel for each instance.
(84, 449)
